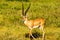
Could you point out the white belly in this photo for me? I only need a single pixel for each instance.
(35, 26)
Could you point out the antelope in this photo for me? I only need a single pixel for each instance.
(31, 24)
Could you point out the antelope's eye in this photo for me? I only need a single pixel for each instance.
(25, 16)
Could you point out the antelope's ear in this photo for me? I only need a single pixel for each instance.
(27, 8)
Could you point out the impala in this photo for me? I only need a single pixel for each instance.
(37, 23)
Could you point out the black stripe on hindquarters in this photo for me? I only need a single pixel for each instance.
(39, 26)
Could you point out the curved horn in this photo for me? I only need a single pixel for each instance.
(22, 9)
(27, 8)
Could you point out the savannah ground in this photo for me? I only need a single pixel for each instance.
(11, 22)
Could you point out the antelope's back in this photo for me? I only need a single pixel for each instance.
(39, 21)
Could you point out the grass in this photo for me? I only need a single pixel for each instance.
(19, 32)
(11, 22)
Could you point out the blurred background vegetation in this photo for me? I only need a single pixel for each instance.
(11, 22)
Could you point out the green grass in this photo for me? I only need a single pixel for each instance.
(19, 32)
(11, 22)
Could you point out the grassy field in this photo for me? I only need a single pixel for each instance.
(21, 33)
(11, 22)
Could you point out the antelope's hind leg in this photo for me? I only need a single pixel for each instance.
(42, 29)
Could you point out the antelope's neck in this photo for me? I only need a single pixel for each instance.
(25, 21)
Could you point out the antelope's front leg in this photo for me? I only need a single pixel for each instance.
(30, 34)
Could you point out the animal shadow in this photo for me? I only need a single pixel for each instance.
(35, 35)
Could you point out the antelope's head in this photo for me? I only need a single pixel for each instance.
(25, 12)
